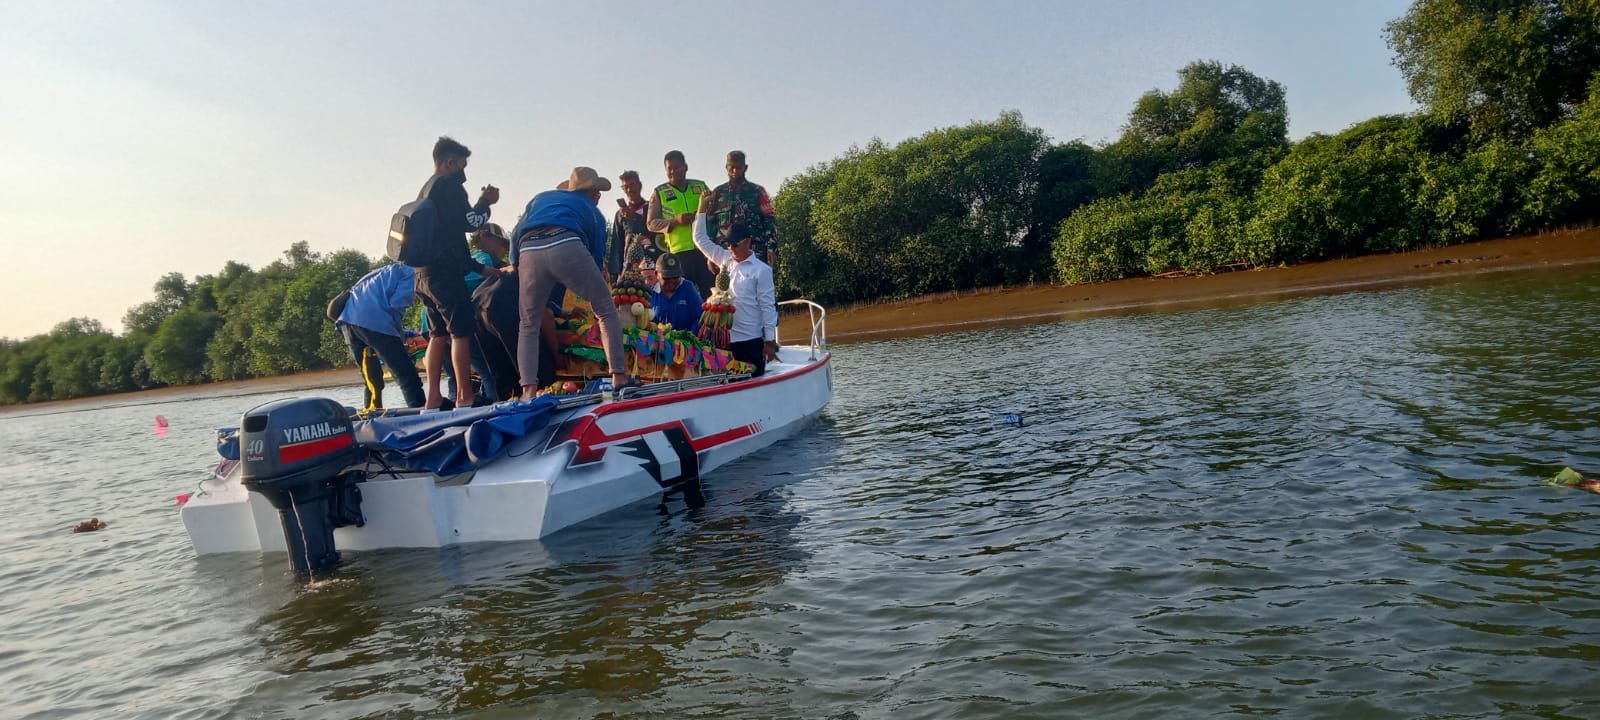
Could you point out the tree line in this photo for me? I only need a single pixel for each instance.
(1202, 178)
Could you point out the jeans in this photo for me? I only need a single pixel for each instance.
(568, 263)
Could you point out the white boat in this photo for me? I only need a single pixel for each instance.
(298, 466)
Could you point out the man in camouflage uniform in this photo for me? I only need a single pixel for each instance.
(739, 209)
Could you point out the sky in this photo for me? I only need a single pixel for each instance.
(142, 138)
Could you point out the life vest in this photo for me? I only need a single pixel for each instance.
(674, 202)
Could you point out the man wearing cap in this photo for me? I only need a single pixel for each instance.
(740, 208)
(489, 246)
(562, 240)
(442, 282)
(630, 226)
(672, 209)
(677, 302)
(754, 335)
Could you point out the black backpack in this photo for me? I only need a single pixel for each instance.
(336, 305)
(412, 230)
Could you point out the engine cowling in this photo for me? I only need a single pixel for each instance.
(293, 452)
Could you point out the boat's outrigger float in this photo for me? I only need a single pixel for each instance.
(309, 477)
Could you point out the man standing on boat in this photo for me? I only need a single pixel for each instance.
(672, 211)
(630, 226)
(442, 282)
(754, 335)
(740, 208)
(370, 324)
(562, 240)
(676, 301)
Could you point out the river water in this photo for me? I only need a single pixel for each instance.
(1319, 507)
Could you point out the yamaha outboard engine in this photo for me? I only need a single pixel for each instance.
(293, 452)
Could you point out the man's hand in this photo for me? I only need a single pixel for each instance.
(683, 219)
(771, 349)
(705, 203)
(490, 271)
(491, 194)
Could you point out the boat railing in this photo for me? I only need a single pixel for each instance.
(819, 325)
(651, 389)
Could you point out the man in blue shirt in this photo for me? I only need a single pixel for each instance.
(677, 302)
(370, 324)
(562, 240)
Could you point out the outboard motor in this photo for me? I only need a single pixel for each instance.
(293, 453)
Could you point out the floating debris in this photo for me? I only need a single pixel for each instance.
(90, 525)
(1570, 478)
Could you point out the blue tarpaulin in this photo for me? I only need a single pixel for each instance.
(445, 443)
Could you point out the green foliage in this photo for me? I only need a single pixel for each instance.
(172, 292)
(937, 212)
(73, 361)
(1343, 195)
(1184, 172)
(1565, 183)
(176, 354)
(123, 367)
(1216, 113)
(1505, 66)
(235, 324)
(1190, 220)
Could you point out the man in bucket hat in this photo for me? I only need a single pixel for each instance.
(677, 302)
(562, 240)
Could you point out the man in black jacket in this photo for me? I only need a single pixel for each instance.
(628, 227)
(441, 282)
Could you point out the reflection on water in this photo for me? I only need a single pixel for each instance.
(1322, 507)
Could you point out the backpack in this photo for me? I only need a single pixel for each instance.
(336, 305)
(412, 230)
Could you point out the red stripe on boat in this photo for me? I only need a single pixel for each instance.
(301, 451)
(654, 400)
(726, 436)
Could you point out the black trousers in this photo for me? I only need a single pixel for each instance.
(751, 351)
(369, 347)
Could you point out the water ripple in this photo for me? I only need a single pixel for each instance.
(1323, 507)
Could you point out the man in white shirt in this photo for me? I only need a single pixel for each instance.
(754, 335)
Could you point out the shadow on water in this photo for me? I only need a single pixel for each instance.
(610, 608)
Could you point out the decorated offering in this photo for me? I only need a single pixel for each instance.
(655, 351)
(716, 323)
(632, 299)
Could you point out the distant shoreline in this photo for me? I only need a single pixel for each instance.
(1046, 303)
(1041, 303)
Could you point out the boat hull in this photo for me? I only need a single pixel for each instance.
(585, 461)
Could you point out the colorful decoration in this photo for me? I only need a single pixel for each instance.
(655, 351)
(716, 322)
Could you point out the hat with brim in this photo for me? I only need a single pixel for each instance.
(584, 178)
(669, 266)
